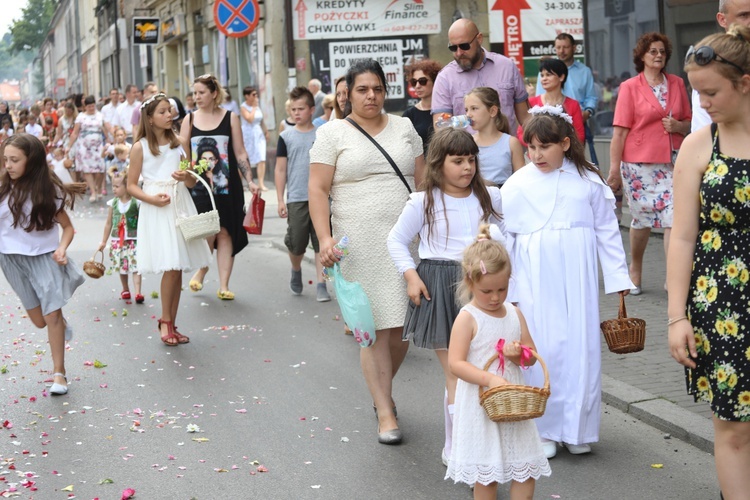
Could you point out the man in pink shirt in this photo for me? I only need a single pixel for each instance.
(475, 67)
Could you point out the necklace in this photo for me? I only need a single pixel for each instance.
(557, 102)
(654, 82)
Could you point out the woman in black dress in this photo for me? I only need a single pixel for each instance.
(215, 132)
(421, 77)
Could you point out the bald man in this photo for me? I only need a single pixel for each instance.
(472, 66)
(730, 12)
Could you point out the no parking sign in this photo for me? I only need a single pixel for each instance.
(236, 18)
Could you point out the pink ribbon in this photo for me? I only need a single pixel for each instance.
(525, 355)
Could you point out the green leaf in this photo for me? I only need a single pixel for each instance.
(98, 364)
(106, 481)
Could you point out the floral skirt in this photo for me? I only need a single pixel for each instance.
(123, 256)
(648, 189)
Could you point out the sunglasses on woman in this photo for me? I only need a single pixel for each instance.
(463, 46)
(422, 81)
(704, 55)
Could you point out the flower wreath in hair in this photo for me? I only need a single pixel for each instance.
(556, 110)
(152, 99)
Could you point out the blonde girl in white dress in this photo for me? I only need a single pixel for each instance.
(161, 248)
(486, 453)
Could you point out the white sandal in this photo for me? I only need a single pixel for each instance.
(58, 389)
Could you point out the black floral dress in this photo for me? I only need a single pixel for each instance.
(719, 300)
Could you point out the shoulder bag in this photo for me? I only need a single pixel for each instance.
(387, 156)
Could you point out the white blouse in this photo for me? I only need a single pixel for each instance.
(455, 226)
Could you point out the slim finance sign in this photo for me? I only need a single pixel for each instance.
(328, 19)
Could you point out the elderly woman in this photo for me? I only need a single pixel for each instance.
(651, 119)
(363, 186)
(422, 76)
(217, 133)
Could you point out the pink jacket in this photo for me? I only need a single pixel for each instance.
(639, 110)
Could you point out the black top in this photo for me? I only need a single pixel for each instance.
(225, 180)
(422, 121)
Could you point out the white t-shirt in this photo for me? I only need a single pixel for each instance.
(109, 111)
(700, 116)
(124, 115)
(62, 172)
(35, 130)
(18, 241)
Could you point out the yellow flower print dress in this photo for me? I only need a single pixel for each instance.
(719, 299)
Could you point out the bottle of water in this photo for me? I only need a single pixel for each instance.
(458, 121)
(340, 250)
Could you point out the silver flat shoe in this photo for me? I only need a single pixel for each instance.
(394, 436)
(58, 389)
(636, 291)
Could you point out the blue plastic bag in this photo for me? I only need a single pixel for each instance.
(355, 308)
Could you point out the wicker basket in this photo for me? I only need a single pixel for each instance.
(624, 334)
(93, 268)
(202, 225)
(512, 403)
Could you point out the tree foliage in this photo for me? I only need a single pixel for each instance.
(13, 65)
(28, 33)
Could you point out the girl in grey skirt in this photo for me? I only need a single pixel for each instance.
(446, 214)
(32, 254)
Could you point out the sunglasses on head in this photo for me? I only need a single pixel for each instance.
(422, 81)
(704, 55)
(463, 46)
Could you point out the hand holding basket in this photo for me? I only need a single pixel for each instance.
(513, 402)
(624, 335)
(93, 268)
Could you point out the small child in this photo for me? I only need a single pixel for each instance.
(7, 129)
(121, 229)
(446, 214)
(500, 153)
(33, 127)
(32, 248)
(156, 154)
(561, 226)
(58, 166)
(49, 132)
(486, 453)
(293, 171)
(121, 161)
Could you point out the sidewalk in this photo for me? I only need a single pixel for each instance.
(648, 385)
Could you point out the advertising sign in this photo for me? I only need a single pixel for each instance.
(525, 30)
(325, 19)
(330, 59)
(146, 30)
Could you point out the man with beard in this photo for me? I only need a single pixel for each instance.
(472, 67)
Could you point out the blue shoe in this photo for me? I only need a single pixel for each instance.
(58, 389)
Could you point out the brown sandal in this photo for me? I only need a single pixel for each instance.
(171, 339)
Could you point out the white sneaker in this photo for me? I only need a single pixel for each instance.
(578, 449)
(550, 448)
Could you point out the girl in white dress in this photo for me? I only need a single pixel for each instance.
(561, 225)
(484, 452)
(445, 213)
(161, 248)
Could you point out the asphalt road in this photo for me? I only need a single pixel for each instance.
(275, 390)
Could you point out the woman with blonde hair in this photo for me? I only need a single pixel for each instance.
(708, 272)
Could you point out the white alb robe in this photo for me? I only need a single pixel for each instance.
(560, 224)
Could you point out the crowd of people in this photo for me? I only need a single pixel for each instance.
(513, 223)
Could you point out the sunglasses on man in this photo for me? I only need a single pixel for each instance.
(422, 81)
(463, 46)
(704, 55)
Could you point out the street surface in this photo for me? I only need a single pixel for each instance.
(273, 390)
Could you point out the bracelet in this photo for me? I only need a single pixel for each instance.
(672, 321)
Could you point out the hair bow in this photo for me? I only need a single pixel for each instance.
(525, 355)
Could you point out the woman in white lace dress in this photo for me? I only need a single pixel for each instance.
(367, 197)
(486, 453)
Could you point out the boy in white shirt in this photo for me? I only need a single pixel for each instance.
(33, 128)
